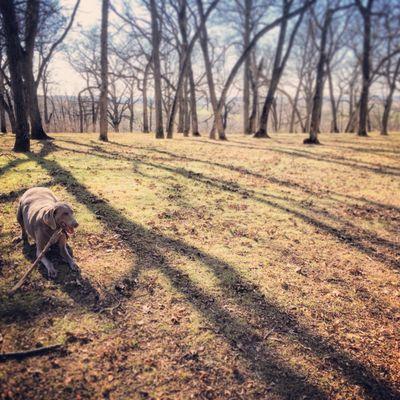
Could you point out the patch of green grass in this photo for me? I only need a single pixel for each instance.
(280, 257)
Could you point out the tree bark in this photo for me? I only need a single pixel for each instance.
(278, 67)
(186, 114)
(31, 28)
(104, 72)
(319, 83)
(246, 70)
(3, 125)
(365, 66)
(145, 128)
(14, 54)
(276, 72)
(254, 87)
(389, 100)
(156, 39)
(193, 102)
(334, 126)
(218, 123)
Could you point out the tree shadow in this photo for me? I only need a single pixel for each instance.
(272, 179)
(339, 160)
(375, 168)
(267, 363)
(370, 150)
(71, 282)
(348, 233)
(12, 164)
(15, 194)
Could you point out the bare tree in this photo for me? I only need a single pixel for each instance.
(366, 13)
(104, 72)
(15, 60)
(279, 65)
(392, 78)
(156, 39)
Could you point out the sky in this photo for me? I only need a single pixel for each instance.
(68, 81)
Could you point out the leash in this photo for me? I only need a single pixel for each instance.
(52, 240)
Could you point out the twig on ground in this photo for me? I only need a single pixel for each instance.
(19, 355)
(269, 333)
(52, 240)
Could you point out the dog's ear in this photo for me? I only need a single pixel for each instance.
(48, 218)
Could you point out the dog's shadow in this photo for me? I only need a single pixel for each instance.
(70, 281)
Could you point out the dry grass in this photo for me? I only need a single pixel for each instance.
(240, 270)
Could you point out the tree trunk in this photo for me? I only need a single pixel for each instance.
(193, 102)
(145, 128)
(156, 38)
(389, 100)
(14, 55)
(254, 87)
(181, 100)
(186, 115)
(246, 70)
(334, 126)
(295, 110)
(80, 106)
(3, 125)
(37, 131)
(32, 103)
(366, 69)
(131, 111)
(276, 72)
(182, 72)
(218, 123)
(319, 84)
(278, 67)
(104, 72)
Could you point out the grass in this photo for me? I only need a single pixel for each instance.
(246, 269)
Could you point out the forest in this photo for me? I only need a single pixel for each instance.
(180, 66)
(234, 167)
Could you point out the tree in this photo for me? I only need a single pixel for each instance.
(279, 65)
(201, 32)
(252, 44)
(247, 27)
(104, 72)
(366, 14)
(319, 81)
(39, 20)
(156, 39)
(14, 55)
(392, 78)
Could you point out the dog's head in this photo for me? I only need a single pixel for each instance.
(61, 215)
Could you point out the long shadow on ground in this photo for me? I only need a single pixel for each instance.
(230, 167)
(363, 166)
(353, 236)
(150, 246)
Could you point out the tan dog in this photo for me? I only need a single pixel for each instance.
(40, 214)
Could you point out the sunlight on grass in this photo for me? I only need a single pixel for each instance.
(263, 249)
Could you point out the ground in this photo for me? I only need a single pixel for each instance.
(249, 269)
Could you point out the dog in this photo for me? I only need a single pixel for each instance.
(40, 214)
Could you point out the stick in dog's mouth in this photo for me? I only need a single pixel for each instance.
(69, 229)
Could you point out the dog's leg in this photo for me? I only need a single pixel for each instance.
(40, 245)
(62, 243)
(24, 235)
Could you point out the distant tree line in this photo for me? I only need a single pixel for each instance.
(186, 65)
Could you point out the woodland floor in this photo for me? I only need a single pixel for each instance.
(251, 269)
